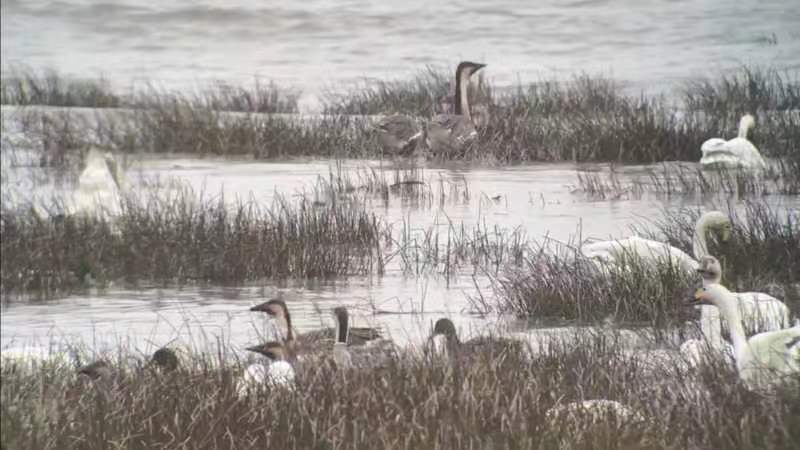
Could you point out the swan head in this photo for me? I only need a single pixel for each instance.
(166, 359)
(712, 294)
(718, 220)
(273, 350)
(274, 308)
(710, 268)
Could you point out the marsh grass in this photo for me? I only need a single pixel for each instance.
(763, 250)
(179, 126)
(425, 93)
(782, 177)
(486, 401)
(583, 119)
(185, 237)
(554, 280)
(458, 250)
(24, 86)
(749, 89)
(569, 287)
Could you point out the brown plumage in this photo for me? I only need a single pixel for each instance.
(311, 340)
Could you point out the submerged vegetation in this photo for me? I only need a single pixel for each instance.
(583, 119)
(487, 401)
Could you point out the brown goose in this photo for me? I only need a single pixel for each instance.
(311, 340)
(449, 131)
(444, 340)
(345, 355)
(399, 134)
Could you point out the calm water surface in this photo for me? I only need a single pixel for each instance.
(319, 44)
(537, 199)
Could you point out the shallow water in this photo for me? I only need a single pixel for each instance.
(321, 44)
(538, 199)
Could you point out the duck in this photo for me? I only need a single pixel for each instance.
(605, 253)
(345, 355)
(444, 341)
(760, 311)
(448, 131)
(399, 134)
(312, 340)
(276, 373)
(737, 153)
(763, 361)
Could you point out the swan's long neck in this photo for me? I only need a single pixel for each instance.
(461, 100)
(710, 325)
(729, 310)
(342, 329)
(699, 246)
(745, 124)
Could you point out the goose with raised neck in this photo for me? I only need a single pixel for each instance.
(450, 131)
(312, 340)
(345, 355)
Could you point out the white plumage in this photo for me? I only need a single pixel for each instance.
(764, 360)
(736, 153)
(618, 252)
(759, 311)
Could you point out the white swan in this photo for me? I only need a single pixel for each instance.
(448, 131)
(277, 373)
(617, 252)
(99, 186)
(760, 311)
(738, 152)
(765, 359)
(699, 351)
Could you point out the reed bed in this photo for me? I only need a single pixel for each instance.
(459, 250)
(24, 86)
(488, 401)
(763, 250)
(554, 280)
(781, 178)
(185, 237)
(586, 118)
(746, 90)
